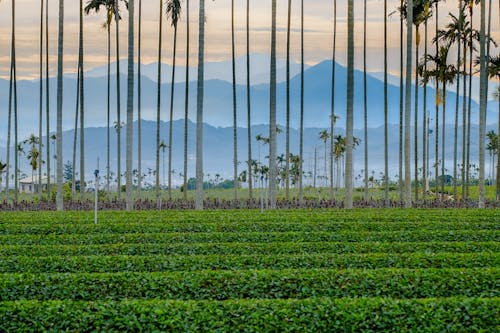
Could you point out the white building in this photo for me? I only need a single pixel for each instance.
(30, 184)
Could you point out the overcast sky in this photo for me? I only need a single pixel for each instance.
(318, 32)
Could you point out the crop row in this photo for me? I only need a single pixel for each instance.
(255, 237)
(162, 263)
(291, 216)
(242, 226)
(246, 248)
(308, 315)
(261, 284)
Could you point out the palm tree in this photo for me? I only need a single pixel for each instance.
(350, 103)
(130, 105)
(47, 98)
(33, 155)
(235, 124)
(199, 108)
(324, 136)
(173, 11)
(186, 104)
(407, 115)
(81, 106)
(60, 53)
(287, 134)
(40, 114)
(111, 11)
(3, 167)
(162, 147)
(139, 104)
(482, 103)
(301, 139)
(494, 72)
(272, 113)
(332, 104)
(249, 129)
(365, 100)
(401, 105)
(158, 104)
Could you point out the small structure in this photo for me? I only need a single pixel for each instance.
(30, 184)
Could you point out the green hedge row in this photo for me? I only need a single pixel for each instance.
(265, 284)
(309, 315)
(365, 215)
(254, 237)
(241, 226)
(162, 263)
(246, 248)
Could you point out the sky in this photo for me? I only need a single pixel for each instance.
(318, 32)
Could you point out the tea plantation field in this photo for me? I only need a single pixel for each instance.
(228, 271)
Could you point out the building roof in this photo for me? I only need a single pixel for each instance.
(34, 180)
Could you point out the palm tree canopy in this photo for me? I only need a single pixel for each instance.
(174, 11)
(109, 5)
(422, 10)
(324, 135)
(438, 68)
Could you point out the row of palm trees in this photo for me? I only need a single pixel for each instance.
(459, 33)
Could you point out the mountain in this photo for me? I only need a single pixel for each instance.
(218, 70)
(218, 101)
(218, 148)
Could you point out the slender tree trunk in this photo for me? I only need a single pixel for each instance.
(235, 122)
(332, 103)
(82, 104)
(118, 102)
(483, 99)
(365, 101)
(186, 106)
(171, 122)
(401, 106)
(139, 105)
(158, 107)
(443, 140)
(9, 121)
(415, 130)
(436, 165)
(59, 196)
(47, 101)
(272, 114)
(75, 137)
(407, 144)
(350, 105)
(199, 108)
(130, 106)
(108, 115)
(425, 129)
(464, 121)
(301, 134)
(287, 143)
(249, 129)
(386, 121)
(469, 106)
(457, 100)
(40, 114)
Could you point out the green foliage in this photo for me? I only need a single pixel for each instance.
(313, 271)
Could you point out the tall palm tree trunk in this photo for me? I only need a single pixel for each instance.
(249, 129)
(199, 108)
(365, 101)
(40, 114)
(139, 105)
(47, 101)
(407, 116)
(75, 136)
(469, 105)
(108, 114)
(59, 196)
(287, 140)
(272, 114)
(483, 99)
(425, 129)
(401, 106)
(118, 102)
(9, 120)
(350, 105)
(158, 107)
(386, 121)
(464, 121)
(130, 106)
(457, 100)
(301, 134)
(170, 130)
(186, 106)
(436, 120)
(332, 103)
(235, 123)
(415, 130)
(81, 92)
(443, 140)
